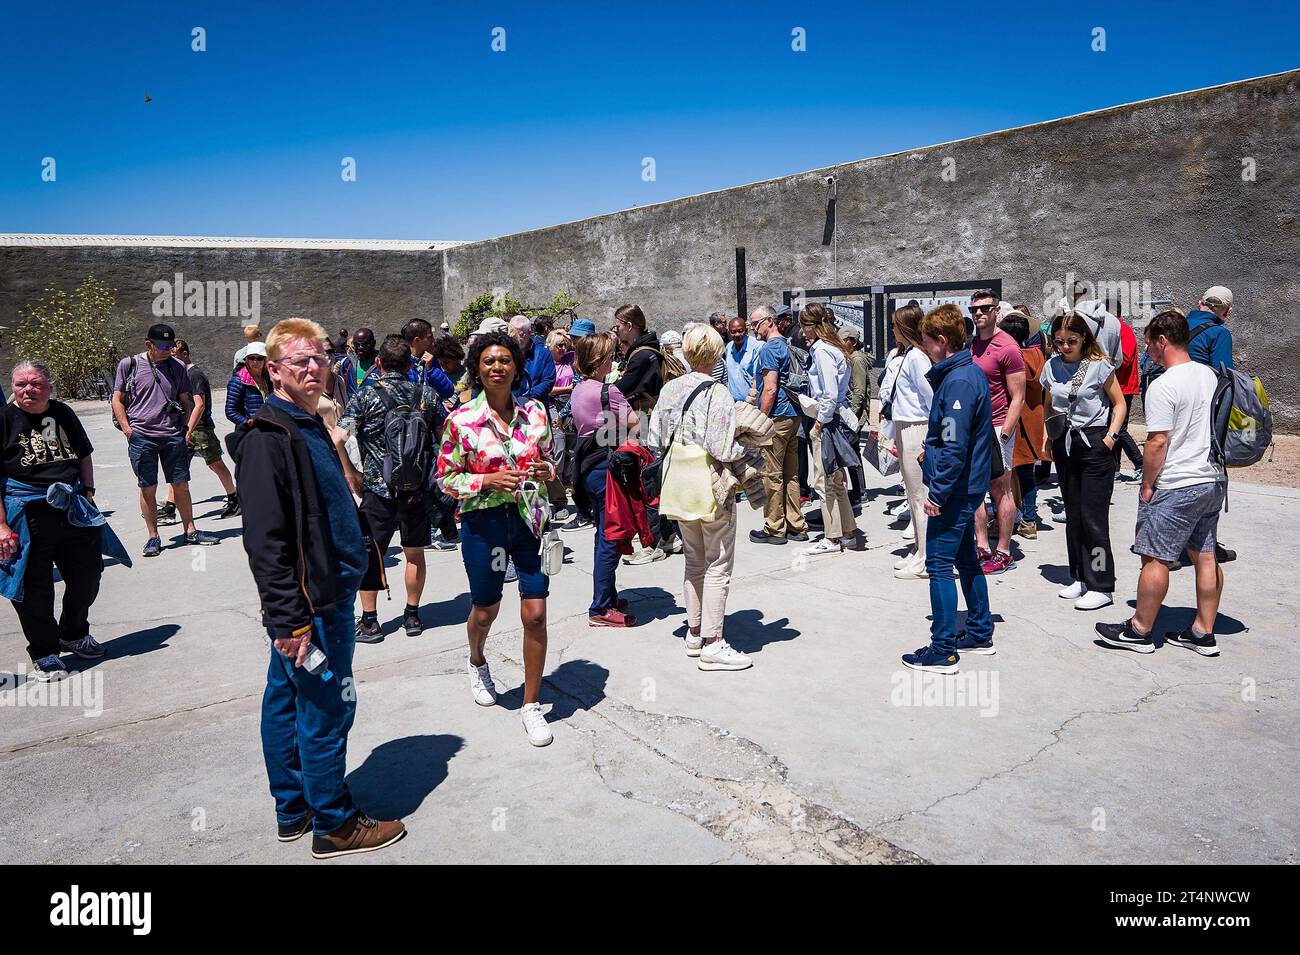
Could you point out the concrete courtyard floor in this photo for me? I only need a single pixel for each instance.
(1055, 749)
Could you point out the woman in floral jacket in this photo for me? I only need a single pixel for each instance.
(495, 460)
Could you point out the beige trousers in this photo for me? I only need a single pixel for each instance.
(837, 512)
(910, 437)
(710, 552)
(782, 515)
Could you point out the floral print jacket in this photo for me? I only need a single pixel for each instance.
(473, 446)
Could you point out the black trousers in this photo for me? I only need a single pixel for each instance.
(804, 425)
(1126, 442)
(76, 552)
(1087, 476)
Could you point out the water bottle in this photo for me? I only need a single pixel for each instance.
(317, 663)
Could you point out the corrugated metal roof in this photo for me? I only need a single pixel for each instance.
(223, 242)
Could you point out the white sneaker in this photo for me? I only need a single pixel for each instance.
(694, 643)
(909, 532)
(481, 686)
(646, 555)
(539, 734)
(674, 545)
(720, 655)
(1076, 590)
(511, 573)
(913, 571)
(824, 546)
(904, 561)
(1093, 600)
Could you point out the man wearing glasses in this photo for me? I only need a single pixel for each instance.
(998, 356)
(307, 552)
(152, 405)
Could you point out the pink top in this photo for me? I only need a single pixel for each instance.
(564, 373)
(998, 358)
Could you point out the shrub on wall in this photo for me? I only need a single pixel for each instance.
(503, 305)
(78, 334)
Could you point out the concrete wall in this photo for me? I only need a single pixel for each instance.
(336, 287)
(1151, 192)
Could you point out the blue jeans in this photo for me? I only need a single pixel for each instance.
(604, 591)
(305, 724)
(1028, 492)
(949, 543)
(487, 538)
(145, 453)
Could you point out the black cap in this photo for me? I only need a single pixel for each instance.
(161, 334)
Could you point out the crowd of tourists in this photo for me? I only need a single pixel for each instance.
(653, 443)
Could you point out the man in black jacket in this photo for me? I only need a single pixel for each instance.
(307, 551)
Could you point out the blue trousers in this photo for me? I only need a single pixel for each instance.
(949, 544)
(604, 591)
(305, 724)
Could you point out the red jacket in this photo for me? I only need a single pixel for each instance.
(1127, 373)
(625, 514)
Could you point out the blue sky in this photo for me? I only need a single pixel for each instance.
(455, 141)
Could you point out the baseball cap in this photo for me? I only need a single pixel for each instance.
(581, 327)
(1219, 295)
(164, 336)
(491, 324)
(255, 348)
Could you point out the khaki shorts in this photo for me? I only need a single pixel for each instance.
(204, 441)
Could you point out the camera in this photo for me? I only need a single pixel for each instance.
(174, 408)
(527, 486)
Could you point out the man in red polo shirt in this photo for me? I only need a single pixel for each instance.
(998, 356)
(1127, 375)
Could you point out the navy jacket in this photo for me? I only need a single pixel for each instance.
(242, 401)
(539, 373)
(1213, 346)
(959, 446)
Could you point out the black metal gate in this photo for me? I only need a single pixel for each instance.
(878, 304)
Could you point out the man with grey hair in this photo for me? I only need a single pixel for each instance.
(1211, 342)
(783, 518)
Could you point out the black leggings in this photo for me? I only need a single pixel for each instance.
(76, 552)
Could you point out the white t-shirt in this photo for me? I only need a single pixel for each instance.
(912, 392)
(1179, 402)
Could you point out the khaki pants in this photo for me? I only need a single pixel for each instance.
(710, 553)
(782, 515)
(910, 438)
(837, 512)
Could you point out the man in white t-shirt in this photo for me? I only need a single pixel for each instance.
(1182, 493)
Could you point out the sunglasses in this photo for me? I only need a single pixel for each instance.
(1067, 342)
(974, 309)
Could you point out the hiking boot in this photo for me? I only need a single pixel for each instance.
(152, 547)
(1028, 530)
(1205, 646)
(87, 648)
(293, 831)
(411, 623)
(930, 660)
(358, 834)
(369, 631)
(232, 507)
(167, 515)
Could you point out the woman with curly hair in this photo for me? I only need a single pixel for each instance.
(495, 460)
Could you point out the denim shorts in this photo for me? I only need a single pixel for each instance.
(487, 538)
(1179, 519)
(145, 453)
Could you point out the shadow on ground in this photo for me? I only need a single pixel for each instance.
(398, 775)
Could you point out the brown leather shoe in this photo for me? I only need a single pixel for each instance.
(358, 834)
(1028, 530)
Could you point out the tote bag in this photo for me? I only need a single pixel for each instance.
(687, 493)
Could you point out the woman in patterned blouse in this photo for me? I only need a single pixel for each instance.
(495, 460)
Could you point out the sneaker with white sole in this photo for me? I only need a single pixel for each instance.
(824, 546)
(909, 532)
(87, 648)
(1074, 591)
(720, 655)
(539, 734)
(914, 571)
(674, 545)
(1205, 645)
(904, 561)
(694, 644)
(481, 686)
(48, 669)
(646, 555)
(512, 573)
(1093, 600)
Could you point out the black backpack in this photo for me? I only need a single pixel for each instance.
(408, 444)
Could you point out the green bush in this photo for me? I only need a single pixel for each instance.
(503, 305)
(78, 334)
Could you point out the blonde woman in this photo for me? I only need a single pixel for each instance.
(697, 410)
(909, 409)
(828, 382)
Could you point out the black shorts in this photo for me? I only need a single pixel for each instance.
(387, 517)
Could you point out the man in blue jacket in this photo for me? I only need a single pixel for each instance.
(539, 364)
(1213, 346)
(955, 463)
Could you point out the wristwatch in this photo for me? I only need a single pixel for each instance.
(1113, 435)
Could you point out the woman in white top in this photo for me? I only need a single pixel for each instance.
(828, 384)
(907, 404)
(699, 411)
